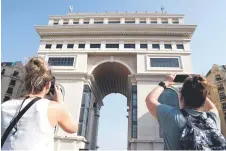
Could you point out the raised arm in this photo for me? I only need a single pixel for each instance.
(59, 113)
(209, 106)
(152, 98)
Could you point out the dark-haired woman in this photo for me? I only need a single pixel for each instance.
(193, 97)
(35, 130)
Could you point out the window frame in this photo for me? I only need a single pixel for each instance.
(112, 44)
(70, 44)
(179, 44)
(148, 63)
(63, 56)
(129, 44)
(93, 44)
(142, 44)
(168, 48)
(48, 45)
(59, 45)
(155, 48)
(82, 44)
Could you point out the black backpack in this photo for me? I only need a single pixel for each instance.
(201, 133)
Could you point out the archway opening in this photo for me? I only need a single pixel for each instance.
(111, 77)
(111, 80)
(113, 123)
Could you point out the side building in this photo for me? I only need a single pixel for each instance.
(217, 78)
(12, 76)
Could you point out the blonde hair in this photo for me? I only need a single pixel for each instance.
(38, 74)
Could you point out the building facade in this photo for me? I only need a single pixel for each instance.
(217, 78)
(95, 54)
(12, 77)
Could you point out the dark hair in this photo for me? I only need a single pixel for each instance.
(194, 91)
(38, 74)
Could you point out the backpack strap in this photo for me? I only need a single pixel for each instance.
(184, 113)
(16, 119)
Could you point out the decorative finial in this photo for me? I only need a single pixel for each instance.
(70, 9)
(162, 8)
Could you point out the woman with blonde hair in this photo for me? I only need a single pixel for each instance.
(34, 130)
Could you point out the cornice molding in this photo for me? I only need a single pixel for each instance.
(117, 30)
(115, 15)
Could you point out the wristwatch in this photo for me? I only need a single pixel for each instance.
(162, 84)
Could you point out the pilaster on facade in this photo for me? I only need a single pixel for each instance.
(148, 20)
(61, 22)
(161, 44)
(170, 21)
(105, 21)
(87, 45)
(149, 45)
(137, 20)
(70, 21)
(122, 20)
(81, 20)
(51, 22)
(137, 45)
(103, 45)
(159, 20)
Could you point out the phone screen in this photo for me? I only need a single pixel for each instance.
(180, 78)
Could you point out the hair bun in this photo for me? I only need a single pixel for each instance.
(36, 65)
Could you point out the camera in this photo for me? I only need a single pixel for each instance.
(52, 87)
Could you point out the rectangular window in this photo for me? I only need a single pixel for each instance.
(168, 46)
(155, 46)
(81, 45)
(55, 22)
(98, 22)
(9, 91)
(134, 111)
(15, 73)
(134, 131)
(154, 22)
(143, 46)
(61, 61)
(86, 22)
(180, 46)
(48, 46)
(59, 46)
(12, 83)
(218, 77)
(70, 46)
(112, 45)
(143, 22)
(224, 106)
(165, 22)
(84, 112)
(3, 72)
(220, 88)
(6, 98)
(130, 22)
(113, 22)
(129, 46)
(164, 62)
(75, 22)
(175, 22)
(94, 45)
(65, 23)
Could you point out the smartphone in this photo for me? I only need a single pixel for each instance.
(52, 87)
(180, 78)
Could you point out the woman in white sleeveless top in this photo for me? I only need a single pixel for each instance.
(35, 130)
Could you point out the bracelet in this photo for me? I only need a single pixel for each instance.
(162, 84)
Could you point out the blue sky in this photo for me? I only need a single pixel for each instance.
(20, 40)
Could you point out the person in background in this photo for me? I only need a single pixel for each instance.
(35, 129)
(192, 98)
